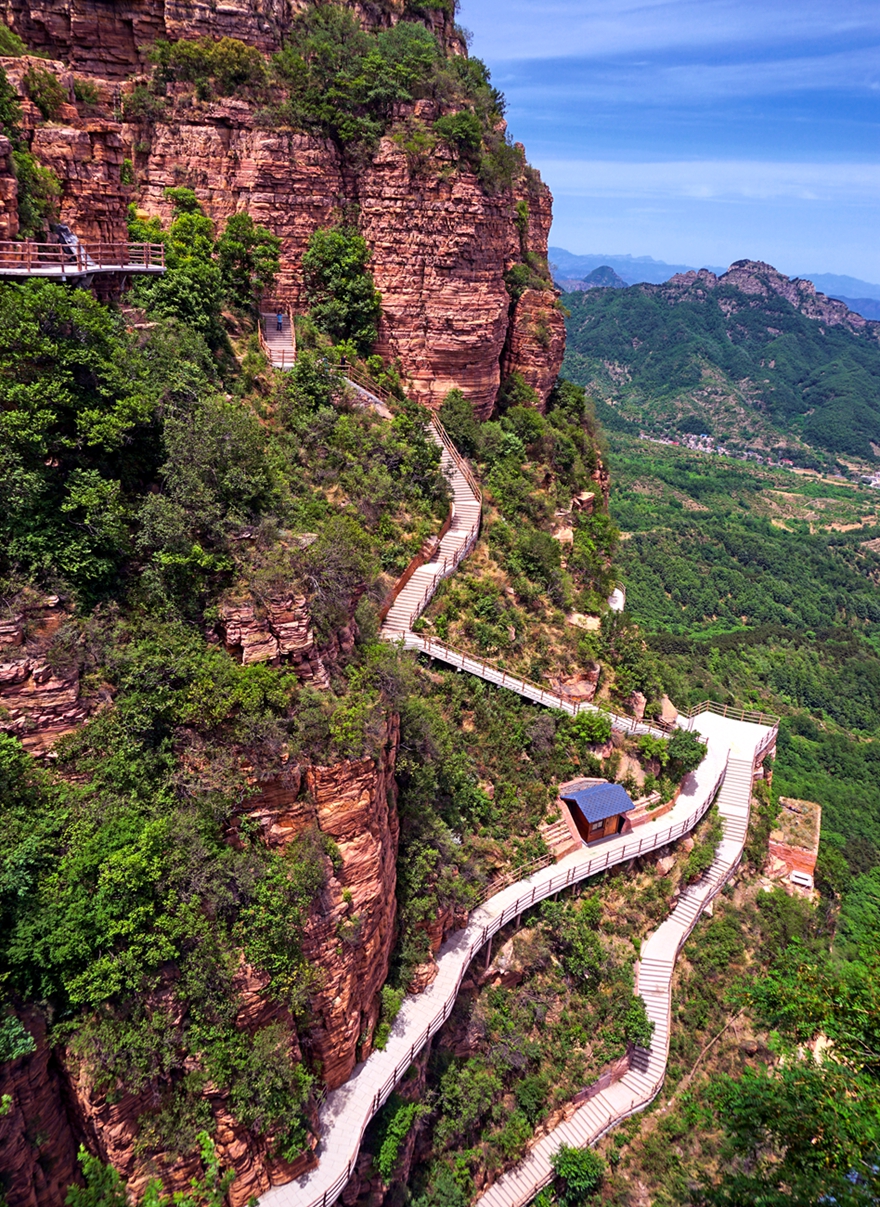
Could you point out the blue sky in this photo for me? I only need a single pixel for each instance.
(698, 131)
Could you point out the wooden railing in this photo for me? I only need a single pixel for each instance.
(59, 259)
(735, 714)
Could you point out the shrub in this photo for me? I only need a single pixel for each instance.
(701, 857)
(45, 90)
(591, 727)
(457, 416)
(580, 1172)
(228, 62)
(462, 131)
(516, 392)
(38, 192)
(685, 751)
(15, 1039)
(141, 104)
(86, 91)
(126, 172)
(10, 111)
(399, 1126)
(11, 45)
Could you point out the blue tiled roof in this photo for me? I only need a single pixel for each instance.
(601, 801)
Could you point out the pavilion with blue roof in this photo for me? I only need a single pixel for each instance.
(598, 809)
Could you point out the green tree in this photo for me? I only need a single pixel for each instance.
(685, 752)
(39, 190)
(457, 416)
(579, 1172)
(77, 440)
(11, 44)
(10, 111)
(45, 90)
(344, 302)
(247, 256)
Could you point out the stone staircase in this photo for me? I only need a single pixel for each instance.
(558, 837)
(279, 346)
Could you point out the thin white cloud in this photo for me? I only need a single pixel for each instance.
(714, 180)
(525, 29)
(683, 83)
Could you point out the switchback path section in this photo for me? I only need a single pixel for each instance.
(454, 547)
(347, 1110)
(641, 1084)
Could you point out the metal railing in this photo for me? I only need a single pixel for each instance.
(62, 259)
(733, 713)
(530, 691)
(591, 866)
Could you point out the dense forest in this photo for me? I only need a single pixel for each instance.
(750, 369)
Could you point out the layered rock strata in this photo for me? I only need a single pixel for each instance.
(441, 242)
(350, 931)
(349, 935)
(441, 245)
(110, 38)
(39, 1135)
(279, 629)
(39, 702)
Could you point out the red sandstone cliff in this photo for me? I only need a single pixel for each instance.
(110, 37)
(441, 243)
(349, 937)
(39, 1135)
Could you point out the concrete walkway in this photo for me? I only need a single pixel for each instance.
(640, 1085)
(348, 1110)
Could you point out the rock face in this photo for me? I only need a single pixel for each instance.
(279, 629)
(8, 192)
(441, 242)
(86, 154)
(350, 932)
(38, 1137)
(103, 37)
(39, 703)
(349, 937)
(111, 1121)
(536, 341)
(441, 245)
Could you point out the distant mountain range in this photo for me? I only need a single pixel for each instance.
(568, 269)
(750, 357)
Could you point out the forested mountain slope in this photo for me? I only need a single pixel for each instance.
(751, 358)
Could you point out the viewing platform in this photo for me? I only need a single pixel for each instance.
(78, 261)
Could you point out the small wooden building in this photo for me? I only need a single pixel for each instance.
(598, 810)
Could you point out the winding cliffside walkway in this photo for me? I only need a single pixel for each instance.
(347, 1111)
(641, 1084)
(733, 747)
(420, 588)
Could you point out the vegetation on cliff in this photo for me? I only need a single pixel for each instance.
(543, 566)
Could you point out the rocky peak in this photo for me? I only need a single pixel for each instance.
(757, 279)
